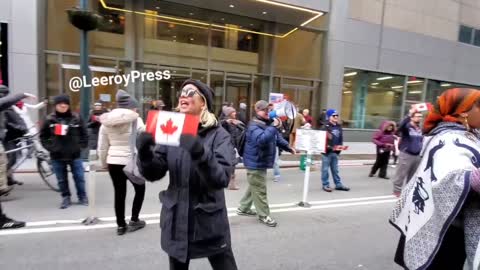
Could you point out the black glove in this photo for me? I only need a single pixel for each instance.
(192, 145)
(145, 142)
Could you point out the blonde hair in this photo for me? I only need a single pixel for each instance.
(208, 119)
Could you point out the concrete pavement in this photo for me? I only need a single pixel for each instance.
(343, 230)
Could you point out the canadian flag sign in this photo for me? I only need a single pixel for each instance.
(61, 130)
(422, 107)
(167, 127)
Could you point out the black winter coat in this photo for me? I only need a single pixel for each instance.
(69, 146)
(93, 126)
(193, 220)
(15, 125)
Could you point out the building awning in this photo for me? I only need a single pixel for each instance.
(263, 17)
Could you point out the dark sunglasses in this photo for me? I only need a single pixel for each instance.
(335, 115)
(188, 92)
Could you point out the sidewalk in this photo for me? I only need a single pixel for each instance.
(287, 160)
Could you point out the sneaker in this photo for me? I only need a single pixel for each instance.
(384, 177)
(397, 194)
(66, 202)
(83, 201)
(8, 223)
(342, 188)
(393, 166)
(268, 221)
(248, 213)
(371, 175)
(122, 230)
(5, 191)
(136, 225)
(327, 189)
(276, 178)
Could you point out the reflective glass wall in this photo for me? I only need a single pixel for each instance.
(369, 97)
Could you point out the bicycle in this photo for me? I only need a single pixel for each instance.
(44, 164)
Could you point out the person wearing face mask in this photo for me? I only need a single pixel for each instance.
(262, 139)
(438, 213)
(411, 141)
(64, 135)
(194, 222)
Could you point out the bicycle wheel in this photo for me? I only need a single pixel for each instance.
(45, 170)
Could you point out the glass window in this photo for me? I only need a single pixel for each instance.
(369, 98)
(465, 34)
(436, 88)
(476, 39)
(299, 54)
(113, 21)
(414, 88)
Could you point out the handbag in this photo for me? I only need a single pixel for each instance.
(131, 169)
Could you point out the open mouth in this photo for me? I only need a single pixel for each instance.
(184, 104)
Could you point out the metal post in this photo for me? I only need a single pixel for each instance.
(93, 166)
(86, 94)
(306, 181)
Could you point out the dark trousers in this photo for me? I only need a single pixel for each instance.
(12, 159)
(451, 254)
(381, 163)
(222, 261)
(120, 180)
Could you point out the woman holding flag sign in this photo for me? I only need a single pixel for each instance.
(193, 219)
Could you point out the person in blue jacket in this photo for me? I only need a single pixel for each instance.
(262, 138)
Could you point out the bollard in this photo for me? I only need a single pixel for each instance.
(306, 180)
(91, 212)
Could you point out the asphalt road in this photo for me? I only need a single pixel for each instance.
(342, 230)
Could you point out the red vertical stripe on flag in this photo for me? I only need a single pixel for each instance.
(58, 129)
(151, 126)
(190, 125)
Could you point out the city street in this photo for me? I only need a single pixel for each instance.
(342, 230)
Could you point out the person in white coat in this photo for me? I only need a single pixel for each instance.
(115, 152)
(23, 110)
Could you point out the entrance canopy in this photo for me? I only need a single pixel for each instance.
(263, 17)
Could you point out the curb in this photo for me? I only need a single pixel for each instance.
(352, 163)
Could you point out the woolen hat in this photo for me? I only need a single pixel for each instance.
(204, 89)
(124, 100)
(63, 98)
(228, 110)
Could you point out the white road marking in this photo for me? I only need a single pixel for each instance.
(233, 209)
(322, 205)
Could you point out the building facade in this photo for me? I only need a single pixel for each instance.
(370, 59)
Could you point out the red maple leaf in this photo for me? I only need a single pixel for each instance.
(168, 128)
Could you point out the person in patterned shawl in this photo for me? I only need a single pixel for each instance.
(438, 214)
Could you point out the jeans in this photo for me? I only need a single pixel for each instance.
(330, 161)
(76, 167)
(221, 261)
(120, 180)
(276, 165)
